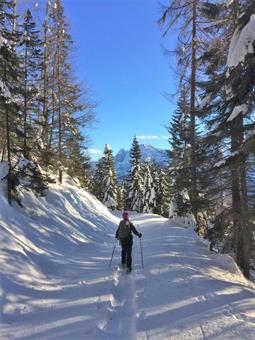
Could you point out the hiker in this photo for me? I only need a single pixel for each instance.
(124, 234)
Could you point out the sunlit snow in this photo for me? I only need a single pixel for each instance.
(241, 43)
(56, 282)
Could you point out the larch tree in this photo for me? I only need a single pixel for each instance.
(190, 18)
(30, 48)
(67, 107)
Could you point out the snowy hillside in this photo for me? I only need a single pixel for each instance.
(56, 282)
(148, 152)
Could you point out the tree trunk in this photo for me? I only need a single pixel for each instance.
(246, 234)
(240, 200)
(9, 184)
(14, 4)
(53, 103)
(4, 148)
(45, 128)
(193, 113)
(60, 174)
(25, 150)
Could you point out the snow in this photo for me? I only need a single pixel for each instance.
(237, 110)
(220, 163)
(183, 116)
(4, 89)
(1, 40)
(224, 160)
(205, 101)
(229, 2)
(122, 158)
(23, 163)
(107, 147)
(241, 43)
(56, 282)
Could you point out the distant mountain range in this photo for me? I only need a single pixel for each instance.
(148, 152)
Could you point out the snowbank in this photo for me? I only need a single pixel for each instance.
(35, 238)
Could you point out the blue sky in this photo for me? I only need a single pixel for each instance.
(119, 54)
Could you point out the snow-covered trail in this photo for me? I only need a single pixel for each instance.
(183, 292)
(187, 292)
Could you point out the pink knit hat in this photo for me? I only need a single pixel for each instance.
(125, 215)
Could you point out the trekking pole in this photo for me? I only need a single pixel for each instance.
(141, 252)
(113, 253)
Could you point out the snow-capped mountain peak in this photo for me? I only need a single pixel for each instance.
(148, 153)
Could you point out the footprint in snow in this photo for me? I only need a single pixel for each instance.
(82, 282)
(102, 325)
(117, 302)
(141, 315)
(139, 293)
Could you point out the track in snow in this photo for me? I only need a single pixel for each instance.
(119, 322)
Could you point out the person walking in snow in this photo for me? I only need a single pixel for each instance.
(124, 234)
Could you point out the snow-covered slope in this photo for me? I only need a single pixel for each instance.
(40, 243)
(56, 282)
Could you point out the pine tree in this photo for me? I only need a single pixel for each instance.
(88, 176)
(121, 196)
(135, 179)
(149, 190)
(242, 100)
(194, 29)
(10, 119)
(31, 52)
(98, 189)
(179, 154)
(229, 105)
(110, 183)
(163, 193)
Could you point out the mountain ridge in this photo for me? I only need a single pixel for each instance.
(148, 153)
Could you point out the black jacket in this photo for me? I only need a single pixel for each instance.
(132, 229)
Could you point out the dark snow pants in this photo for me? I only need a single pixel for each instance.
(126, 253)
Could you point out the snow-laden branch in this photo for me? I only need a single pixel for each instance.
(237, 110)
(241, 43)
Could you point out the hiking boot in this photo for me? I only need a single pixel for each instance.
(128, 270)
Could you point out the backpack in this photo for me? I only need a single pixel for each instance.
(124, 229)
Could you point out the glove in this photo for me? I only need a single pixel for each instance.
(140, 235)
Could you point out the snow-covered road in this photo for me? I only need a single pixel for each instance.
(183, 292)
(187, 292)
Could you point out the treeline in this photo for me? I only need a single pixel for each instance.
(145, 189)
(212, 131)
(42, 106)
